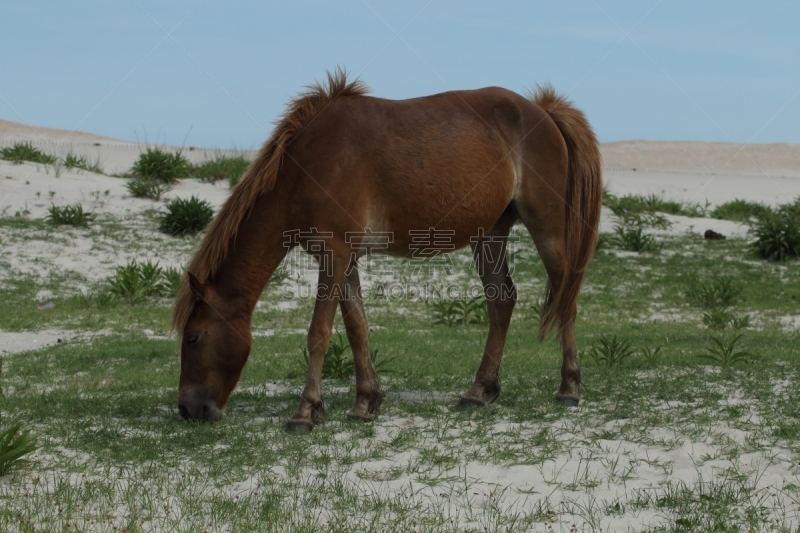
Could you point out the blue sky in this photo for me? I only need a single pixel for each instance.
(218, 73)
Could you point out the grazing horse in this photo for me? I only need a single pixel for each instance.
(341, 163)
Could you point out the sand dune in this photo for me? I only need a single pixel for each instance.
(686, 171)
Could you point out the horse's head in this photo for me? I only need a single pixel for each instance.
(214, 348)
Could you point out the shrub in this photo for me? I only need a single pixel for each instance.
(778, 235)
(72, 215)
(222, 167)
(136, 281)
(721, 291)
(24, 151)
(740, 211)
(632, 239)
(164, 167)
(186, 217)
(147, 188)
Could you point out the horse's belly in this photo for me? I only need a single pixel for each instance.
(444, 211)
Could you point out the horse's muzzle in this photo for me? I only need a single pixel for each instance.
(195, 406)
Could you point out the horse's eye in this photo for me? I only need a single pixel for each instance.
(191, 339)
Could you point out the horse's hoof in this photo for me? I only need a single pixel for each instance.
(567, 401)
(468, 403)
(355, 417)
(295, 427)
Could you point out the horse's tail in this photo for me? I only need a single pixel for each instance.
(583, 198)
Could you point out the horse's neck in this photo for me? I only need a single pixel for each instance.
(255, 253)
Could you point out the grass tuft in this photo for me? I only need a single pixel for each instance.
(778, 234)
(740, 211)
(633, 239)
(610, 351)
(70, 215)
(79, 161)
(24, 151)
(186, 217)
(724, 354)
(460, 312)
(164, 167)
(137, 281)
(147, 188)
(720, 292)
(14, 443)
(222, 167)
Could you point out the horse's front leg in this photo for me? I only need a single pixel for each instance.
(329, 289)
(368, 391)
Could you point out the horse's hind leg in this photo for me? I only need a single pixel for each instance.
(368, 392)
(329, 289)
(550, 242)
(501, 295)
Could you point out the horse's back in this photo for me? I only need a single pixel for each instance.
(449, 161)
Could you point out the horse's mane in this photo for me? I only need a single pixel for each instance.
(259, 179)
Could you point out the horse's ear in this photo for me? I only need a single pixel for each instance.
(196, 285)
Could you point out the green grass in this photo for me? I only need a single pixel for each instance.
(71, 161)
(222, 167)
(115, 452)
(186, 216)
(136, 281)
(69, 215)
(161, 166)
(633, 239)
(740, 211)
(25, 151)
(147, 188)
(778, 235)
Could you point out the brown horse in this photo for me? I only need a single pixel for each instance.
(340, 163)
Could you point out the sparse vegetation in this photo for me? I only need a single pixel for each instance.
(460, 312)
(718, 292)
(70, 215)
(222, 167)
(680, 444)
(186, 216)
(78, 161)
(633, 239)
(740, 211)
(25, 151)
